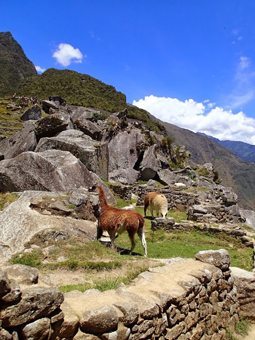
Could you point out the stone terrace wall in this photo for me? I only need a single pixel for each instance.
(185, 299)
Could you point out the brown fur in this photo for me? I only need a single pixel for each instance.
(115, 220)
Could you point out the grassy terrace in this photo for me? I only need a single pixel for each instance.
(9, 120)
(106, 269)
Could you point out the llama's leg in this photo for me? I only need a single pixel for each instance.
(145, 208)
(112, 237)
(131, 235)
(151, 210)
(141, 235)
(99, 232)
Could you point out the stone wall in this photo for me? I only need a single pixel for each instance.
(185, 299)
(218, 204)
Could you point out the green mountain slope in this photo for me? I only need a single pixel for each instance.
(75, 88)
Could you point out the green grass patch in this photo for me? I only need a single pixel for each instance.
(241, 329)
(186, 244)
(103, 284)
(6, 199)
(177, 215)
(33, 259)
(73, 264)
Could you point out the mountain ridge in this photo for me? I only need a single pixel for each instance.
(14, 64)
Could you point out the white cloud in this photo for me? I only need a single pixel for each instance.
(203, 117)
(39, 69)
(244, 84)
(67, 54)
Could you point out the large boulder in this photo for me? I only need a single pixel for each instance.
(24, 140)
(80, 112)
(89, 128)
(124, 176)
(35, 218)
(91, 153)
(124, 149)
(33, 113)
(51, 170)
(150, 164)
(51, 125)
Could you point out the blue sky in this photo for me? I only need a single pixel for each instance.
(189, 62)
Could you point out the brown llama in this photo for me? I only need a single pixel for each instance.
(115, 220)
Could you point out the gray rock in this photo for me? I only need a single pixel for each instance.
(167, 176)
(39, 329)
(124, 176)
(124, 149)
(245, 285)
(52, 170)
(21, 225)
(219, 258)
(88, 127)
(35, 303)
(34, 113)
(80, 112)
(99, 321)
(48, 104)
(150, 164)
(4, 283)
(22, 274)
(4, 335)
(51, 125)
(14, 294)
(22, 141)
(91, 153)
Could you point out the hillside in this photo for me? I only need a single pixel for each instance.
(234, 172)
(14, 64)
(244, 151)
(76, 88)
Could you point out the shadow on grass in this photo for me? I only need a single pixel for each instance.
(120, 250)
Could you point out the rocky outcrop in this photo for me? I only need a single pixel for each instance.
(51, 170)
(33, 113)
(22, 141)
(91, 153)
(124, 150)
(41, 218)
(51, 125)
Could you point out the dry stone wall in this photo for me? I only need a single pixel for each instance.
(185, 299)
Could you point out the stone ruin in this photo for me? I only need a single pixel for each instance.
(202, 300)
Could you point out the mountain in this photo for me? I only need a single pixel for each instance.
(18, 73)
(76, 88)
(14, 64)
(233, 172)
(244, 151)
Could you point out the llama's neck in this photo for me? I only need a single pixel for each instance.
(102, 198)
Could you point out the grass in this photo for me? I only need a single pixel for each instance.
(241, 329)
(6, 199)
(33, 259)
(106, 284)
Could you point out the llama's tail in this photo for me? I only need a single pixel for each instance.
(102, 198)
(141, 234)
